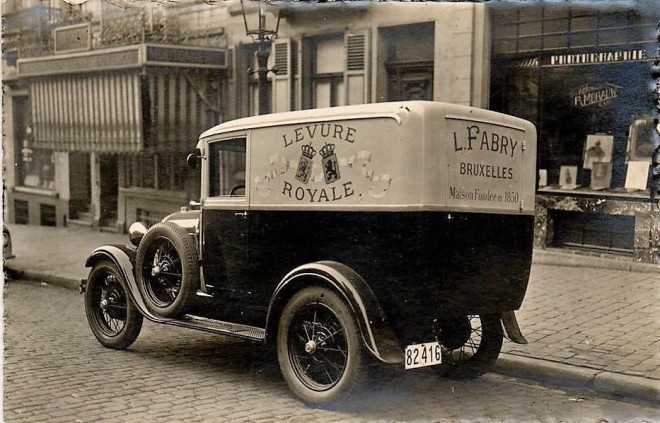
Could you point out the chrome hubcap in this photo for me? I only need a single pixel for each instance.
(310, 347)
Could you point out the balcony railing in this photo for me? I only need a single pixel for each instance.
(29, 32)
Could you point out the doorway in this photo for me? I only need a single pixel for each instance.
(109, 187)
(80, 187)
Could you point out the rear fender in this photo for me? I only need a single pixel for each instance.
(511, 328)
(123, 258)
(376, 333)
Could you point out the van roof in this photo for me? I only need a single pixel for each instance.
(395, 110)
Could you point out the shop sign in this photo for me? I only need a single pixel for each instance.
(72, 38)
(597, 57)
(597, 95)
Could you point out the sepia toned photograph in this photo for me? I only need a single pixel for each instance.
(331, 211)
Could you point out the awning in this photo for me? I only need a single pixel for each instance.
(124, 100)
(98, 112)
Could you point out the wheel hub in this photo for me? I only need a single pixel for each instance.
(104, 304)
(163, 266)
(155, 271)
(453, 333)
(310, 347)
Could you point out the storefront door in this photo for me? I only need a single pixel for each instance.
(80, 187)
(109, 189)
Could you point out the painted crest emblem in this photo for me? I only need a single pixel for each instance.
(330, 164)
(305, 164)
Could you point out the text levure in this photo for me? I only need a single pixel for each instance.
(325, 130)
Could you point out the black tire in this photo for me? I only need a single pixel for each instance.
(319, 347)
(111, 313)
(470, 345)
(167, 269)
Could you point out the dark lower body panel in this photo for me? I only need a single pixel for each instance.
(420, 265)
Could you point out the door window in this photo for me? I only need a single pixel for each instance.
(227, 168)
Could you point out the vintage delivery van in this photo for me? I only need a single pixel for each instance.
(400, 232)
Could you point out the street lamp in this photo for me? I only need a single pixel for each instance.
(263, 37)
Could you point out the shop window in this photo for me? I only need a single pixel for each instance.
(551, 26)
(35, 168)
(149, 217)
(584, 39)
(165, 172)
(555, 25)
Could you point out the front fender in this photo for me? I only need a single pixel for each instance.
(123, 257)
(375, 330)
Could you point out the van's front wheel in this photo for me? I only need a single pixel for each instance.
(470, 344)
(318, 346)
(111, 313)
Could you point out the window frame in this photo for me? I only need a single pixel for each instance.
(224, 200)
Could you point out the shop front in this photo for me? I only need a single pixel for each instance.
(100, 137)
(592, 103)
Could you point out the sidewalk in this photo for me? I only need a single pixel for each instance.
(591, 322)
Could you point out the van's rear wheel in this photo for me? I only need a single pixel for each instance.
(319, 347)
(470, 344)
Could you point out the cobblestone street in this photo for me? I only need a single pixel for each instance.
(55, 370)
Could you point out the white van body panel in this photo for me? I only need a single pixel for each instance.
(400, 156)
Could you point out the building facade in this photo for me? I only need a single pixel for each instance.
(105, 99)
(580, 72)
(102, 103)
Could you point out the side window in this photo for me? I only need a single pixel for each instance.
(227, 168)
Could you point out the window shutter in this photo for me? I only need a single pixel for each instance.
(356, 75)
(296, 87)
(282, 80)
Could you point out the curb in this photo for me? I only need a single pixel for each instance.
(575, 259)
(566, 375)
(64, 282)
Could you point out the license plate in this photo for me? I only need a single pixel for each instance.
(422, 355)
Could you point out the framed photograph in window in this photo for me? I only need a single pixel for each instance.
(641, 139)
(637, 176)
(601, 175)
(543, 178)
(598, 148)
(567, 177)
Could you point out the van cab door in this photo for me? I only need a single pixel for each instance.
(225, 219)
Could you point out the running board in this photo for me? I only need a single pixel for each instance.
(219, 327)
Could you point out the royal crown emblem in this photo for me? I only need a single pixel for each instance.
(330, 164)
(305, 163)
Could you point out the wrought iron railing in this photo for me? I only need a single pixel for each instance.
(29, 32)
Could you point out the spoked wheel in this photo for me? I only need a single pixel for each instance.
(470, 344)
(167, 269)
(319, 347)
(111, 314)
